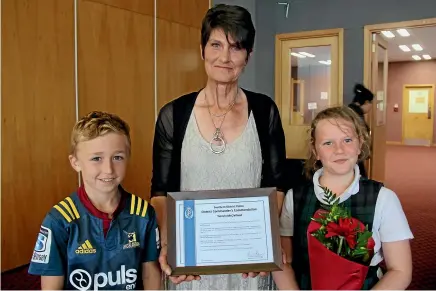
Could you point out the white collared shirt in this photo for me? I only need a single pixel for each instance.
(389, 225)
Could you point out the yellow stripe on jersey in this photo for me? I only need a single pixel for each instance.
(65, 205)
(88, 244)
(76, 213)
(64, 214)
(144, 210)
(138, 207)
(132, 205)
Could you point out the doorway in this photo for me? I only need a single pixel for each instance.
(400, 69)
(396, 45)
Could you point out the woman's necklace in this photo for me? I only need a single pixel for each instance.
(218, 144)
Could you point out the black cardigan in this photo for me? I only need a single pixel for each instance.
(171, 127)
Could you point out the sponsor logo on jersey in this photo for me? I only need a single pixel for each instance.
(133, 243)
(41, 253)
(86, 248)
(83, 280)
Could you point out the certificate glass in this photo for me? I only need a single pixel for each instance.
(223, 231)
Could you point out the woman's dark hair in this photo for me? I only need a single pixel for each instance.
(362, 94)
(234, 21)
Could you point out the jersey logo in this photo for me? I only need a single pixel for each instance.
(67, 210)
(133, 243)
(41, 253)
(86, 248)
(138, 206)
(82, 280)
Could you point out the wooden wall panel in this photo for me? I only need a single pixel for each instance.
(38, 113)
(145, 7)
(186, 12)
(180, 69)
(116, 74)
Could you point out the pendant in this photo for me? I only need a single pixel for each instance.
(217, 144)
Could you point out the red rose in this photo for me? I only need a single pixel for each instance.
(346, 228)
(371, 244)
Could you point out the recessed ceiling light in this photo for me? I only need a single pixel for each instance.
(328, 62)
(306, 54)
(426, 57)
(404, 48)
(403, 32)
(388, 34)
(298, 55)
(416, 58)
(417, 47)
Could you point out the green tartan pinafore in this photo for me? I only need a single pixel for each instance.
(362, 206)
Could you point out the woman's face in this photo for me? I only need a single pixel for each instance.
(223, 60)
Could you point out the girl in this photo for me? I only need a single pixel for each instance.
(339, 139)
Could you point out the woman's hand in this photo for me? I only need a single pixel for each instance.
(254, 274)
(167, 269)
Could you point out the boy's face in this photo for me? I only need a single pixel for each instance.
(337, 146)
(102, 162)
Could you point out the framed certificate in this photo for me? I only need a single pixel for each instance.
(223, 231)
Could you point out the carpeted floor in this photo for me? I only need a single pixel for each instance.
(409, 173)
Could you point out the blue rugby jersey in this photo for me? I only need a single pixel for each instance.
(71, 243)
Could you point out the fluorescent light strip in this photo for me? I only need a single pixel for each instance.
(404, 48)
(417, 47)
(298, 55)
(328, 62)
(403, 32)
(426, 57)
(306, 54)
(388, 34)
(416, 57)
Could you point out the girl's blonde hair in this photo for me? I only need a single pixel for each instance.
(95, 124)
(345, 113)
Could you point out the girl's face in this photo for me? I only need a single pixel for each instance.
(337, 146)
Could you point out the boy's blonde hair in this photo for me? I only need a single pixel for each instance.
(344, 113)
(95, 124)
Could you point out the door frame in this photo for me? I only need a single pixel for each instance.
(403, 111)
(339, 32)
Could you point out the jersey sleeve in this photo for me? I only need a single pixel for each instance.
(152, 238)
(49, 254)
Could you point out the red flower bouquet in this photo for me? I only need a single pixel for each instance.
(340, 248)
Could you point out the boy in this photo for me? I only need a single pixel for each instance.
(100, 237)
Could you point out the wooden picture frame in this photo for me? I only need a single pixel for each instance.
(270, 193)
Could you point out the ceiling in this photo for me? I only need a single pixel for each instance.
(424, 36)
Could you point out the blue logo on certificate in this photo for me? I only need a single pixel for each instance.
(189, 213)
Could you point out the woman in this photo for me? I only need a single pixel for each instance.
(362, 104)
(220, 137)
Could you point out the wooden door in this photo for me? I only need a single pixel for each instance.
(309, 80)
(379, 82)
(418, 116)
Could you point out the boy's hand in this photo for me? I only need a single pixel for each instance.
(167, 269)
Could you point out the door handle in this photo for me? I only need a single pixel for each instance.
(429, 113)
